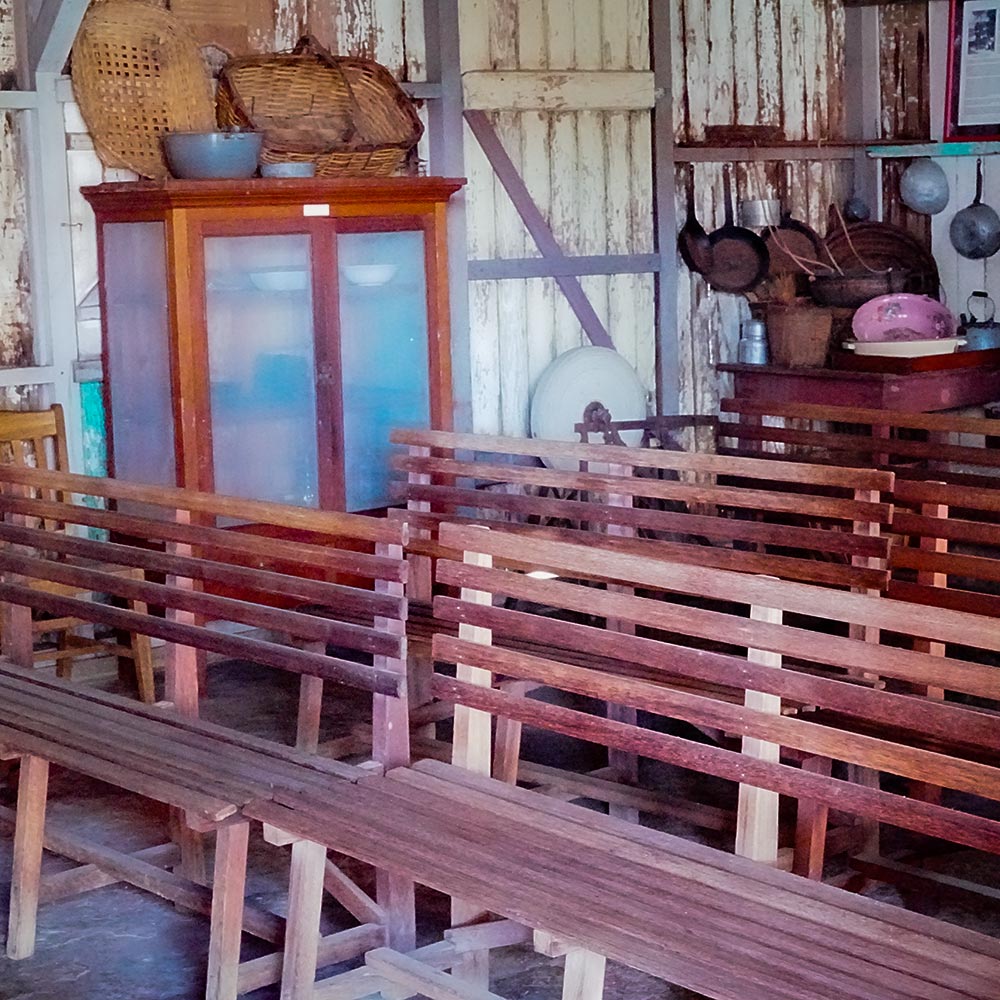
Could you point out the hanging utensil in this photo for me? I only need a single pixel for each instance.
(975, 230)
(740, 257)
(692, 241)
(981, 333)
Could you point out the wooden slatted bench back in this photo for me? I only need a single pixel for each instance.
(292, 590)
(692, 622)
(946, 494)
(791, 520)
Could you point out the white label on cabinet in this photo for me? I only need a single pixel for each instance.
(315, 209)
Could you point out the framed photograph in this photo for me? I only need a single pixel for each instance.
(972, 104)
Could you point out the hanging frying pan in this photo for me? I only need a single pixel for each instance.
(795, 248)
(692, 241)
(975, 230)
(739, 256)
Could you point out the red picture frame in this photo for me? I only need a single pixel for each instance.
(972, 100)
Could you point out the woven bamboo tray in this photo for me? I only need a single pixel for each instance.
(137, 73)
(347, 116)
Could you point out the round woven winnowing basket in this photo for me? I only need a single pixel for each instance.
(348, 116)
(137, 73)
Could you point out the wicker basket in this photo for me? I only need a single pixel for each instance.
(137, 73)
(348, 116)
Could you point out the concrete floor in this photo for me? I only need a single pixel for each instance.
(119, 943)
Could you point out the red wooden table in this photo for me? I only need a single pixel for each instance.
(919, 392)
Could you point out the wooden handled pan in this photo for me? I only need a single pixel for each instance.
(740, 259)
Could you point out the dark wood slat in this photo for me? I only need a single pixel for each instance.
(217, 540)
(940, 720)
(966, 601)
(953, 528)
(212, 607)
(911, 814)
(913, 491)
(836, 651)
(270, 654)
(974, 567)
(257, 580)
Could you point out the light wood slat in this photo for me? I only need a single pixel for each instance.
(174, 498)
(763, 469)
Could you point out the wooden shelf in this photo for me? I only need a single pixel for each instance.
(909, 149)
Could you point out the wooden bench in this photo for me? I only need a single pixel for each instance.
(946, 494)
(591, 886)
(303, 580)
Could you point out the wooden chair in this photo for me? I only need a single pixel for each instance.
(38, 439)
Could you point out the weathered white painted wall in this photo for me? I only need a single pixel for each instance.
(773, 62)
(590, 173)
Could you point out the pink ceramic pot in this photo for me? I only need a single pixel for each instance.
(903, 316)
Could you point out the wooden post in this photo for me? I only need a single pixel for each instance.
(625, 766)
(472, 749)
(757, 815)
(310, 704)
(811, 826)
(583, 978)
(26, 875)
(391, 748)
(420, 587)
(305, 901)
(227, 911)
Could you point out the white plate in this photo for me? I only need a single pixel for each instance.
(905, 348)
(580, 377)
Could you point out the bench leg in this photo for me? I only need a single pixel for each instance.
(142, 658)
(810, 827)
(305, 900)
(26, 876)
(584, 975)
(310, 706)
(227, 911)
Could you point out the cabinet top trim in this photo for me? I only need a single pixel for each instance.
(172, 193)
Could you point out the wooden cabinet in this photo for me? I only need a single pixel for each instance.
(261, 337)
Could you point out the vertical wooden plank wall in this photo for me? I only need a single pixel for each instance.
(15, 307)
(590, 172)
(773, 62)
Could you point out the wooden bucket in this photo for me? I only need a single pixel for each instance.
(799, 334)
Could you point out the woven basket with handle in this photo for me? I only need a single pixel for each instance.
(346, 115)
(137, 73)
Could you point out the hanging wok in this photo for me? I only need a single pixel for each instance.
(740, 259)
(692, 241)
(975, 230)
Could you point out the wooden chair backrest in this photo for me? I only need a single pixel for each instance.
(791, 520)
(691, 622)
(34, 437)
(946, 494)
(327, 578)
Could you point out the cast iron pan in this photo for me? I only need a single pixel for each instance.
(693, 242)
(740, 259)
(792, 239)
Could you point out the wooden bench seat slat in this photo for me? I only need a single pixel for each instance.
(952, 598)
(910, 814)
(121, 775)
(923, 668)
(213, 543)
(978, 567)
(804, 896)
(796, 733)
(870, 479)
(262, 581)
(912, 491)
(324, 522)
(297, 661)
(661, 489)
(182, 728)
(783, 917)
(951, 528)
(920, 715)
(152, 748)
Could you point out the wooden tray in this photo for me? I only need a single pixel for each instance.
(851, 362)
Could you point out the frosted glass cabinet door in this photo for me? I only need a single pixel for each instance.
(135, 304)
(383, 349)
(259, 314)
